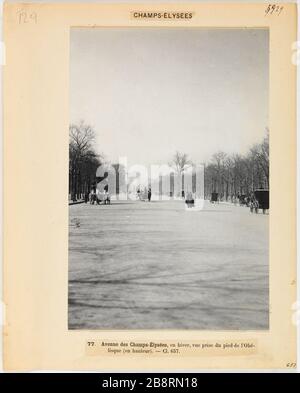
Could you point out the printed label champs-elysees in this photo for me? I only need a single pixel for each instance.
(161, 15)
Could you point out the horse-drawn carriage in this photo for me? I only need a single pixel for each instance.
(262, 198)
(214, 197)
(190, 200)
(99, 196)
(243, 200)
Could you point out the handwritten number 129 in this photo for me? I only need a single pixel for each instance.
(26, 17)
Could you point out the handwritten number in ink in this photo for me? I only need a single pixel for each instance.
(273, 9)
(26, 17)
(291, 365)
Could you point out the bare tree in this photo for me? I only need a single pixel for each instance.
(83, 160)
(82, 137)
(233, 175)
(260, 156)
(180, 162)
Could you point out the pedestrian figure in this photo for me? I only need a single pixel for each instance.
(251, 206)
(248, 200)
(107, 198)
(256, 205)
(149, 194)
(145, 194)
(92, 197)
(189, 199)
(98, 196)
(106, 195)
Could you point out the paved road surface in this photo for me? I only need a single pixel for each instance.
(140, 265)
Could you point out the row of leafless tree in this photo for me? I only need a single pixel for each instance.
(233, 175)
(228, 175)
(83, 159)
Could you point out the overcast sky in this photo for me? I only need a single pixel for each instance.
(149, 92)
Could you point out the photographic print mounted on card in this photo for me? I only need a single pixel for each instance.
(153, 147)
(169, 178)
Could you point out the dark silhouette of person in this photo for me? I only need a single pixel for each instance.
(149, 194)
(106, 195)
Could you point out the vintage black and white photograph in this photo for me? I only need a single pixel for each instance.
(169, 179)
